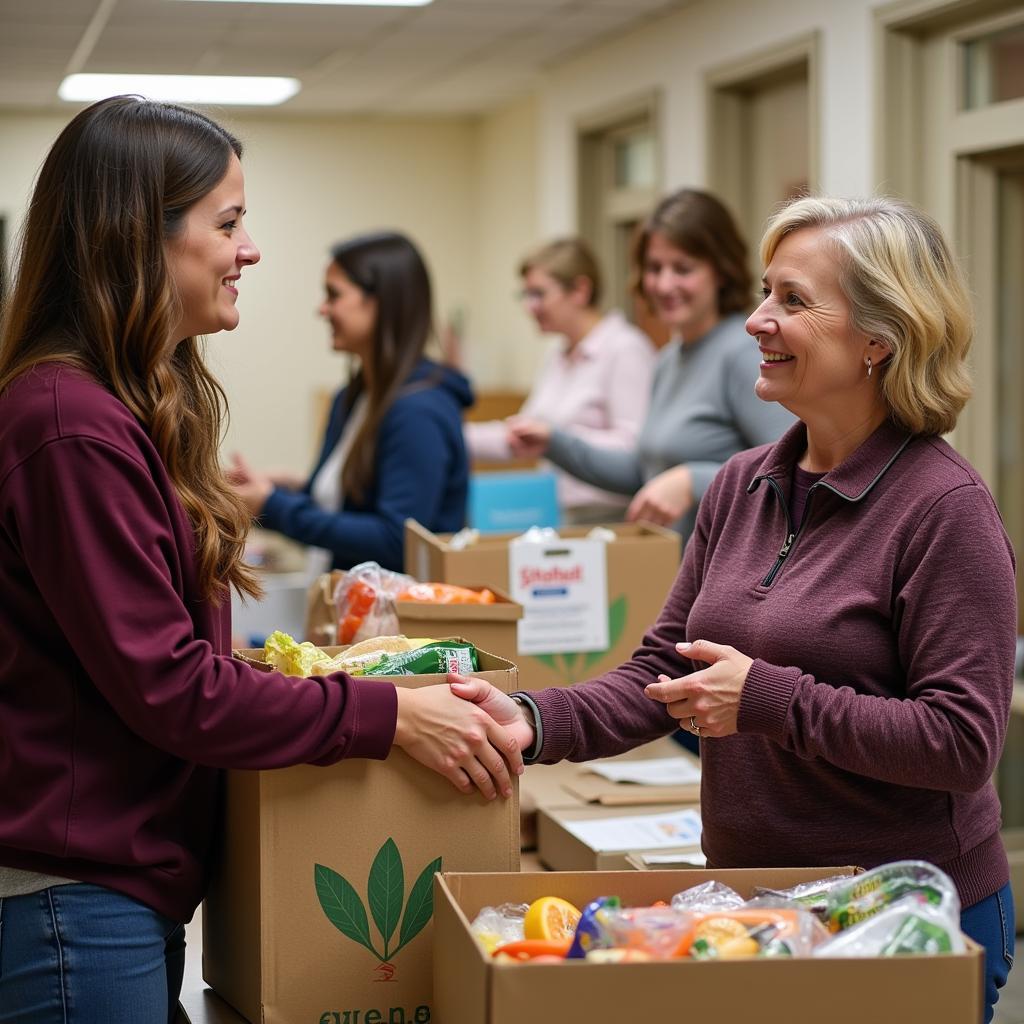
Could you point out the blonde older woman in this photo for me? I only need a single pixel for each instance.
(841, 634)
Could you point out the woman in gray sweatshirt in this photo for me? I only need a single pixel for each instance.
(691, 269)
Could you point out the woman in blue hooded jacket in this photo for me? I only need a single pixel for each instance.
(393, 447)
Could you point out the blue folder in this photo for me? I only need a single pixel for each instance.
(512, 502)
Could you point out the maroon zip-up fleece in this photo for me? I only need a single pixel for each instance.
(876, 708)
(119, 700)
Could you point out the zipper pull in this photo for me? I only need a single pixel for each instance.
(787, 546)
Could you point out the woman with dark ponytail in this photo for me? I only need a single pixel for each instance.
(393, 448)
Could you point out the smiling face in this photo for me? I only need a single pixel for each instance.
(813, 361)
(350, 311)
(682, 288)
(206, 256)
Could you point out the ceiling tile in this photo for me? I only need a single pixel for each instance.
(453, 54)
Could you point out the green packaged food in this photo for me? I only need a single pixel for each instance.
(865, 895)
(917, 935)
(438, 657)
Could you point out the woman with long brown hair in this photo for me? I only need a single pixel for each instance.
(119, 538)
(393, 446)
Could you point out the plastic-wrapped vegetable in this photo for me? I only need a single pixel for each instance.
(766, 931)
(811, 896)
(495, 926)
(445, 593)
(910, 925)
(707, 896)
(657, 931)
(863, 896)
(364, 601)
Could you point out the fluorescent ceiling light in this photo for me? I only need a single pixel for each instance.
(217, 89)
(349, 3)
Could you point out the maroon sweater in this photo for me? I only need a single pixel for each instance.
(119, 700)
(875, 711)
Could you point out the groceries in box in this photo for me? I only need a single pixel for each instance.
(907, 907)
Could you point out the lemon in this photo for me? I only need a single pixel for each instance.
(550, 917)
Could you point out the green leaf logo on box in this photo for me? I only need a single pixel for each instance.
(385, 891)
(569, 666)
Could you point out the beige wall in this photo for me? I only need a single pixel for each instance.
(502, 347)
(673, 54)
(462, 188)
(310, 183)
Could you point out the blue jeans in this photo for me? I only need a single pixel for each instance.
(991, 924)
(82, 954)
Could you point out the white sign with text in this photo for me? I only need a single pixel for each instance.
(563, 588)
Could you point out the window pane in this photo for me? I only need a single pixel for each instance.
(634, 161)
(994, 68)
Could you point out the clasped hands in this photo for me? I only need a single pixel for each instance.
(481, 748)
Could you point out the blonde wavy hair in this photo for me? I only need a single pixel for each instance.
(904, 288)
(93, 290)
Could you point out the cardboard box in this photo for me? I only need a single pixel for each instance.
(561, 850)
(470, 988)
(569, 784)
(492, 627)
(642, 563)
(320, 863)
(543, 785)
(591, 788)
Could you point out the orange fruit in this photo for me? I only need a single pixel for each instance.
(550, 918)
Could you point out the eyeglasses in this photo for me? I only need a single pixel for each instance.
(530, 295)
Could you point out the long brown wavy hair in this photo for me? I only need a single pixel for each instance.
(387, 266)
(93, 290)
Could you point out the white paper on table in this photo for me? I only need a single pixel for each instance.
(660, 859)
(658, 771)
(638, 832)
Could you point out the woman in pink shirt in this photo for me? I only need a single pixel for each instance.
(595, 384)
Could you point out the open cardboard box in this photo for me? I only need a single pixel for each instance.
(492, 627)
(561, 850)
(471, 988)
(641, 565)
(321, 899)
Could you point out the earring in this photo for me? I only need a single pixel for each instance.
(869, 366)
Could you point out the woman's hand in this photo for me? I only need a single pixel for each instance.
(252, 486)
(457, 739)
(500, 706)
(528, 439)
(664, 499)
(286, 478)
(710, 696)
